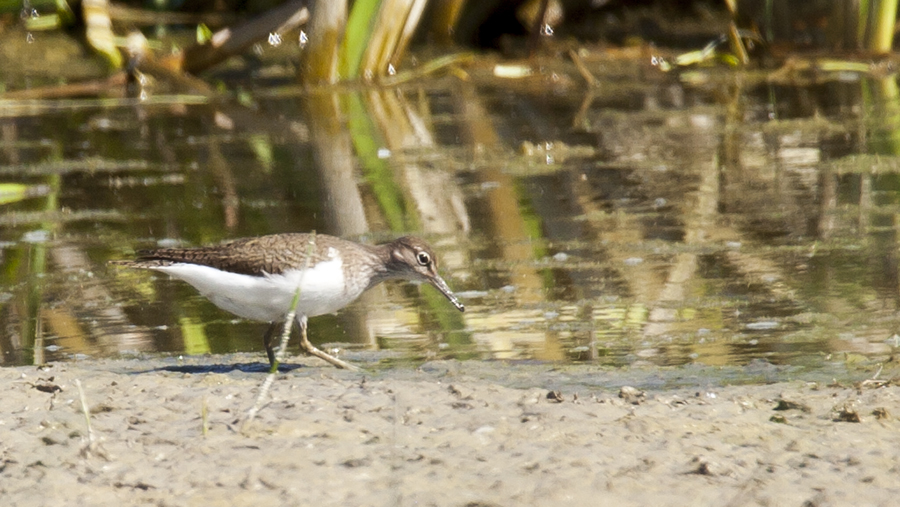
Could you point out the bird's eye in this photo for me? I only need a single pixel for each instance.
(423, 258)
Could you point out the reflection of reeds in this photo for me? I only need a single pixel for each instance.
(367, 140)
(515, 229)
(32, 325)
(332, 147)
(15, 192)
(87, 303)
(883, 96)
(193, 335)
(85, 315)
(384, 127)
(509, 221)
(224, 174)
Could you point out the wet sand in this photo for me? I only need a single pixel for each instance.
(446, 433)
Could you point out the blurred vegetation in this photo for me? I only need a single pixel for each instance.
(367, 40)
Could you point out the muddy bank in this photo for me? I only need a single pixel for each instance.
(169, 432)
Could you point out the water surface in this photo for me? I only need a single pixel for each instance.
(654, 219)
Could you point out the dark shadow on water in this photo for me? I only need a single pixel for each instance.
(225, 368)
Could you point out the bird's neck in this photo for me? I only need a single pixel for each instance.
(387, 267)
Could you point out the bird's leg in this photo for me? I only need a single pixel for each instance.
(313, 351)
(268, 340)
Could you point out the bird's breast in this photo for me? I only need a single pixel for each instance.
(323, 288)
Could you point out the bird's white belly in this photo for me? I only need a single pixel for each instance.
(268, 297)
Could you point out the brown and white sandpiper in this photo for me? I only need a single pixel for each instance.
(258, 278)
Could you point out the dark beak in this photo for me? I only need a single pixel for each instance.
(441, 285)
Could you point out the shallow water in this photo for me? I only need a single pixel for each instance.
(656, 219)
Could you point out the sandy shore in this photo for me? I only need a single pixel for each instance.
(446, 434)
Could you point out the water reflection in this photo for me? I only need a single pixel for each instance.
(656, 222)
